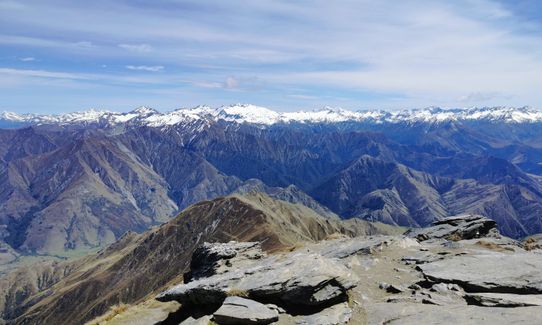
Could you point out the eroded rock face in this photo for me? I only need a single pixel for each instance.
(456, 228)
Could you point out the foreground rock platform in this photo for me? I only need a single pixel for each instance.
(480, 277)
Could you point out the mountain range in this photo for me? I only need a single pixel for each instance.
(79, 181)
(245, 113)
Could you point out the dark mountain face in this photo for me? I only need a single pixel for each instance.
(68, 187)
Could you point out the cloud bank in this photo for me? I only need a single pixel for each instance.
(282, 54)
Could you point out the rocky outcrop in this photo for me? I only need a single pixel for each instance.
(309, 285)
(210, 259)
(299, 279)
(456, 228)
(482, 279)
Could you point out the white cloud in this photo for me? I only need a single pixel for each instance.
(151, 68)
(231, 83)
(27, 59)
(141, 48)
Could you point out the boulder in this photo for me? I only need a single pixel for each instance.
(456, 228)
(241, 311)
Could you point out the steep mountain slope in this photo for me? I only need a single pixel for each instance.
(385, 191)
(138, 265)
(82, 193)
(80, 180)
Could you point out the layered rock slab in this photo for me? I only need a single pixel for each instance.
(491, 272)
(299, 279)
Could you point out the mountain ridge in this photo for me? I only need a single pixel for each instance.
(247, 113)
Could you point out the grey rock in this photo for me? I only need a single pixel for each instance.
(504, 300)
(347, 247)
(421, 258)
(491, 272)
(452, 244)
(216, 258)
(446, 287)
(279, 309)
(204, 320)
(297, 278)
(335, 315)
(457, 227)
(414, 286)
(416, 314)
(237, 310)
(390, 288)
(424, 296)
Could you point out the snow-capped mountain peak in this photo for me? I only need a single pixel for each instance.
(246, 113)
(252, 114)
(144, 110)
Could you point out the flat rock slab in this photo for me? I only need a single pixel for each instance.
(417, 314)
(296, 278)
(494, 272)
(504, 299)
(335, 315)
(237, 310)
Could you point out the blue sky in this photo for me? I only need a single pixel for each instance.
(59, 56)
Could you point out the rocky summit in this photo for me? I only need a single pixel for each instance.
(460, 270)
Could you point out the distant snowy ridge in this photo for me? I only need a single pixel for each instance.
(243, 113)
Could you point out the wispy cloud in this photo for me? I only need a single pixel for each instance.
(141, 48)
(44, 74)
(422, 52)
(151, 68)
(476, 97)
(83, 44)
(28, 59)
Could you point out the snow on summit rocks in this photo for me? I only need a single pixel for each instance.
(252, 114)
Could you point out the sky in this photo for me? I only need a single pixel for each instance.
(61, 56)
